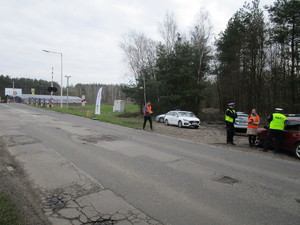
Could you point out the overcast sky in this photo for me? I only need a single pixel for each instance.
(88, 33)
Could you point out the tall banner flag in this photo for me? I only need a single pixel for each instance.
(98, 102)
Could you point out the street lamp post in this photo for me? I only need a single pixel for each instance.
(67, 90)
(51, 101)
(61, 80)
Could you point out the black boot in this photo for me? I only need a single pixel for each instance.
(253, 140)
(250, 141)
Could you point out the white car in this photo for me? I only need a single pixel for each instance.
(160, 118)
(182, 119)
(241, 122)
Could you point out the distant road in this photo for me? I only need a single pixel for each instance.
(175, 182)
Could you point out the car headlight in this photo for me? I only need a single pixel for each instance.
(185, 120)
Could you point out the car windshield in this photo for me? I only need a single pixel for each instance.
(186, 114)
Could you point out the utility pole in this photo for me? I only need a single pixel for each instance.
(51, 101)
(67, 90)
(13, 91)
(61, 79)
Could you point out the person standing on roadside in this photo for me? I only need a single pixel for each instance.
(230, 116)
(147, 110)
(276, 121)
(253, 121)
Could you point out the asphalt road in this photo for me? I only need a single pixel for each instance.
(174, 181)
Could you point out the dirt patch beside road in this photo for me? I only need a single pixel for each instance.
(215, 134)
(207, 133)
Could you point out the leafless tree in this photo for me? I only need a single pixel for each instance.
(200, 37)
(201, 34)
(140, 54)
(168, 31)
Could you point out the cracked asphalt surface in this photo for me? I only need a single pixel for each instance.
(88, 172)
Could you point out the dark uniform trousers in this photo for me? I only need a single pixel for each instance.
(230, 131)
(278, 137)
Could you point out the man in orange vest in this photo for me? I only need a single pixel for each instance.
(147, 114)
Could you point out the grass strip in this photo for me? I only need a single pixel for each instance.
(8, 211)
(130, 118)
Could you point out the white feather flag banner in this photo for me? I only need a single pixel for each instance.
(98, 102)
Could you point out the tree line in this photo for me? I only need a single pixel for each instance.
(110, 93)
(254, 62)
(26, 84)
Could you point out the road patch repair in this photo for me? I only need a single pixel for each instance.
(13, 140)
(226, 180)
(68, 195)
(95, 138)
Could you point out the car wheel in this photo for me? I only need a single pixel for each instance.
(257, 143)
(297, 150)
(166, 122)
(161, 120)
(180, 124)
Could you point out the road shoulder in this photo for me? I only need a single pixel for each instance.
(67, 195)
(23, 196)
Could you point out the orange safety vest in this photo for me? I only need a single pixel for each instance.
(251, 124)
(147, 108)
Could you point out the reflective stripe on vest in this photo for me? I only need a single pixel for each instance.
(228, 118)
(251, 124)
(278, 121)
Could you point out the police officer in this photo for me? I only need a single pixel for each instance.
(276, 121)
(230, 116)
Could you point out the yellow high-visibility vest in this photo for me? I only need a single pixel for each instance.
(228, 118)
(278, 121)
